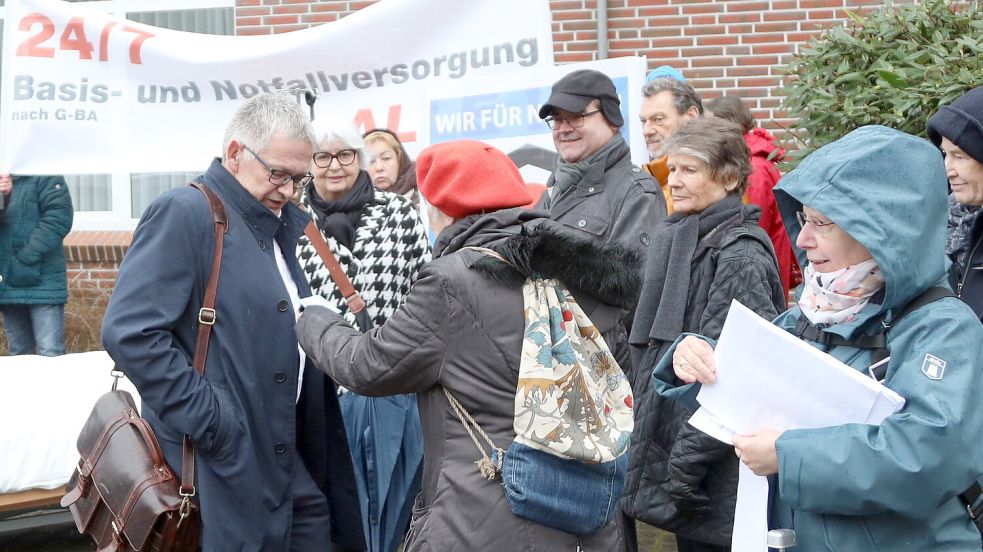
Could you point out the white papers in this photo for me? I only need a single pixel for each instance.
(767, 377)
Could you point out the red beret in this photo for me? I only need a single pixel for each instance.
(465, 177)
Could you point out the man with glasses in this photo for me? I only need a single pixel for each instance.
(273, 469)
(595, 188)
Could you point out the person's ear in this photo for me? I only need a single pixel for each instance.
(233, 157)
(693, 113)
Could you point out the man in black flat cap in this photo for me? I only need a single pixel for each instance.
(595, 188)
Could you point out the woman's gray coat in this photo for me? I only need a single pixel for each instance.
(461, 328)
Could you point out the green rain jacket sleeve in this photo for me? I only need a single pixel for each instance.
(918, 458)
(404, 355)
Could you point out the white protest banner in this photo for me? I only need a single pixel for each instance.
(88, 92)
(500, 109)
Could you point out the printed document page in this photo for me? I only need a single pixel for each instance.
(766, 377)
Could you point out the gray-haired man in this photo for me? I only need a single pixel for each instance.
(668, 104)
(273, 469)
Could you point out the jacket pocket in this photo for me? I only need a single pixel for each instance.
(595, 226)
(24, 275)
(229, 431)
(847, 533)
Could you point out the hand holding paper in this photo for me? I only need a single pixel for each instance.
(757, 450)
(768, 378)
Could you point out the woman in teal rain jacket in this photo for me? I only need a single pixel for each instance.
(868, 213)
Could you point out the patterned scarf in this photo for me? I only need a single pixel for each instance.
(836, 297)
(961, 219)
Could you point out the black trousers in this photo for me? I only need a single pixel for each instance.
(310, 528)
(686, 545)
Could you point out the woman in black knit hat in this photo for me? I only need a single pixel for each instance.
(958, 130)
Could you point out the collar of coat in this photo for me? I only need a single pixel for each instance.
(534, 245)
(252, 211)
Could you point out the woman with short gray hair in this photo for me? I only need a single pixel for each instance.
(380, 243)
(707, 253)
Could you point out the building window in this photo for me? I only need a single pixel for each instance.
(113, 200)
(145, 187)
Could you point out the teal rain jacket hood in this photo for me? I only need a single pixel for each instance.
(891, 487)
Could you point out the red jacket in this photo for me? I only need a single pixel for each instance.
(763, 178)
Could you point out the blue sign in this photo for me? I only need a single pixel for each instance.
(499, 114)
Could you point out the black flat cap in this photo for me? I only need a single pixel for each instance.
(577, 89)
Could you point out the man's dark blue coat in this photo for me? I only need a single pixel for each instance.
(244, 418)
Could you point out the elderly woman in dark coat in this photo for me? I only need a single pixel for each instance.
(461, 329)
(958, 130)
(710, 251)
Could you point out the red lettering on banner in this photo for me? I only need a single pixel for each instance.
(32, 46)
(73, 37)
(365, 120)
(104, 41)
(137, 43)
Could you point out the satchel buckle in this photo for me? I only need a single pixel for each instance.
(206, 316)
(117, 374)
(185, 509)
(117, 534)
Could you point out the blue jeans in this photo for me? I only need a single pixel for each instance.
(34, 329)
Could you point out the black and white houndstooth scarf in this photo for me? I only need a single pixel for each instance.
(389, 249)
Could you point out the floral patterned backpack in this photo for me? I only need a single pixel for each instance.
(573, 418)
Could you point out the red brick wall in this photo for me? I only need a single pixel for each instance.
(733, 47)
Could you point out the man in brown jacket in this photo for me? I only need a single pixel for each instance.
(668, 104)
(461, 328)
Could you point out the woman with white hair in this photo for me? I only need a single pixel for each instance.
(380, 243)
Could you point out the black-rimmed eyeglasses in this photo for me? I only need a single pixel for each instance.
(575, 121)
(345, 157)
(280, 178)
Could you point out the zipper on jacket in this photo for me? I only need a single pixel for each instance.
(969, 263)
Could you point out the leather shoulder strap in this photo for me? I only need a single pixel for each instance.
(207, 314)
(206, 319)
(355, 302)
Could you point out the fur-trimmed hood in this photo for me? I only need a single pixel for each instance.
(533, 244)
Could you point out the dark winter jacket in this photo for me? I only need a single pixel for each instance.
(461, 328)
(36, 220)
(967, 278)
(680, 479)
(249, 429)
(615, 202)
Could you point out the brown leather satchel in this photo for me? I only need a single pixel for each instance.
(123, 494)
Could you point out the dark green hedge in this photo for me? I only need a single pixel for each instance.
(893, 67)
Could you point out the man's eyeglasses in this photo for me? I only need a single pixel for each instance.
(817, 224)
(280, 178)
(345, 157)
(575, 121)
